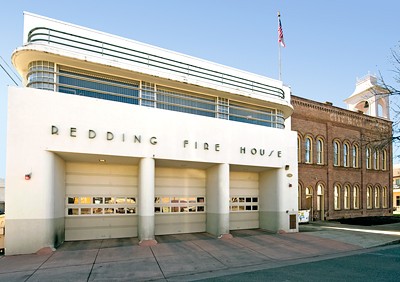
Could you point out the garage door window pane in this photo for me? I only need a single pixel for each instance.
(97, 211)
(85, 200)
(73, 211)
(120, 200)
(97, 200)
(120, 210)
(85, 211)
(73, 200)
(109, 200)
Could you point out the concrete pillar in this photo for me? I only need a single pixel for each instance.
(146, 202)
(278, 200)
(35, 221)
(218, 200)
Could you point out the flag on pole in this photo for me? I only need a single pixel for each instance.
(280, 32)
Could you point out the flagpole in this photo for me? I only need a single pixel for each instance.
(279, 53)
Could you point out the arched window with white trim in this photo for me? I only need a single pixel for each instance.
(320, 151)
(336, 197)
(355, 155)
(346, 197)
(383, 160)
(356, 197)
(376, 159)
(368, 158)
(384, 197)
(299, 194)
(336, 153)
(369, 197)
(298, 149)
(308, 150)
(346, 155)
(377, 197)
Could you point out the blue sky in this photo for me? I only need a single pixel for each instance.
(329, 44)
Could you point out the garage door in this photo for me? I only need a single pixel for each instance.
(100, 201)
(243, 202)
(180, 202)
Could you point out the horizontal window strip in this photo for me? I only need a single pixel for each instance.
(94, 85)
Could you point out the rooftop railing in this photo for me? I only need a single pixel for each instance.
(61, 38)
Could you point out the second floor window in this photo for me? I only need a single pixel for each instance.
(320, 151)
(355, 156)
(346, 155)
(308, 155)
(368, 158)
(299, 149)
(383, 159)
(336, 153)
(376, 159)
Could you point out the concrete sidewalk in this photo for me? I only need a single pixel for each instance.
(188, 257)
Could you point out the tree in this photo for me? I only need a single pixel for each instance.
(393, 93)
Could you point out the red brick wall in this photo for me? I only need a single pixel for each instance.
(319, 120)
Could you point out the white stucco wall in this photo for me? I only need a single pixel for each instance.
(33, 113)
(165, 135)
(2, 185)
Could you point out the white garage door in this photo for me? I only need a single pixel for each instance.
(244, 187)
(100, 201)
(180, 202)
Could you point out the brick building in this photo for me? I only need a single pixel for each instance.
(345, 156)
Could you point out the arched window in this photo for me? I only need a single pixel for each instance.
(336, 153)
(369, 197)
(298, 149)
(309, 196)
(384, 197)
(308, 152)
(356, 197)
(376, 159)
(383, 159)
(368, 158)
(336, 199)
(346, 155)
(320, 151)
(299, 194)
(355, 155)
(320, 193)
(346, 197)
(377, 197)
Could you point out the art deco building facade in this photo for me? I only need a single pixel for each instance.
(345, 156)
(114, 138)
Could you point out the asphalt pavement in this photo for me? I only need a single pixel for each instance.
(190, 257)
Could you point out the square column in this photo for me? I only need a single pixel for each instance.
(278, 200)
(146, 202)
(218, 200)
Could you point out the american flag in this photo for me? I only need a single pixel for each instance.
(280, 33)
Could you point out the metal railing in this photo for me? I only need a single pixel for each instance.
(52, 36)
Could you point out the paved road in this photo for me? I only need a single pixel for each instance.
(382, 264)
